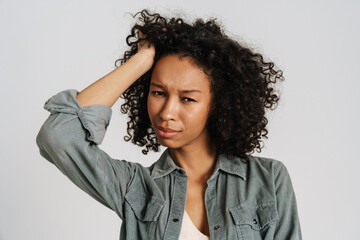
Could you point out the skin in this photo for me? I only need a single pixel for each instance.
(192, 149)
(170, 106)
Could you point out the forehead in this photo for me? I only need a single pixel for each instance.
(173, 71)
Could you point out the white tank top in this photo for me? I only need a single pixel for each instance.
(189, 231)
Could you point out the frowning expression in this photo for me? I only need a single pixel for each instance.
(179, 102)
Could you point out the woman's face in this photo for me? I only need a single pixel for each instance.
(179, 102)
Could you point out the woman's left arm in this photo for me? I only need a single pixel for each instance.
(288, 226)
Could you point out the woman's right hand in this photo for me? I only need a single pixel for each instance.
(108, 89)
(145, 48)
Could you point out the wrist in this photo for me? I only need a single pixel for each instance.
(140, 63)
(145, 59)
(147, 53)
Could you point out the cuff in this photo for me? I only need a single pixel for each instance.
(94, 118)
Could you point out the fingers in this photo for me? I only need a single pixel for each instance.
(143, 43)
(139, 34)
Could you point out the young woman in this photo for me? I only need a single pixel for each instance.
(194, 90)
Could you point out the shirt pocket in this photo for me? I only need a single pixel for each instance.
(255, 222)
(146, 209)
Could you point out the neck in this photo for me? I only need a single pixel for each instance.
(198, 162)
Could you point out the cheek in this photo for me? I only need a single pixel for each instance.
(149, 109)
(152, 106)
(197, 116)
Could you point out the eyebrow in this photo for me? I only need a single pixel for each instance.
(184, 91)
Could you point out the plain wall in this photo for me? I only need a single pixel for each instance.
(50, 46)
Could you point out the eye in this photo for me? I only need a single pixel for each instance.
(188, 99)
(157, 93)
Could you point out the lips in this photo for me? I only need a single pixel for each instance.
(167, 132)
(164, 129)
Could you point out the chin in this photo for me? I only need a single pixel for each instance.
(168, 143)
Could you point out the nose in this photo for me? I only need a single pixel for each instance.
(169, 110)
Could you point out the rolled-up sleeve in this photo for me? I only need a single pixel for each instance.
(69, 139)
(288, 227)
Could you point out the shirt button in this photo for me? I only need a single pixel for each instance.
(255, 221)
(175, 219)
(216, 227)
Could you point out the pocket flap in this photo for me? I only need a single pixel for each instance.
(145, 206)
(256, 216)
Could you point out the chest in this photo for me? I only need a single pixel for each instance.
(223, 208)
(196, 208)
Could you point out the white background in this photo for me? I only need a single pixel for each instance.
(50, 46)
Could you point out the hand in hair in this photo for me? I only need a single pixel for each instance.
(145, 47)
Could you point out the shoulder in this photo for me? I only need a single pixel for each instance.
(266, 166)
(265, 163)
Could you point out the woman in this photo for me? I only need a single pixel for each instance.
(191, 88)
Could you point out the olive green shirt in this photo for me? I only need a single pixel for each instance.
(253, 200)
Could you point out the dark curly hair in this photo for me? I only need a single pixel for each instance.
(242, 83)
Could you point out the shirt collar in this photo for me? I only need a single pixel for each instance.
(165, 165)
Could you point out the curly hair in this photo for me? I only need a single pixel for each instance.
(242, 83)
